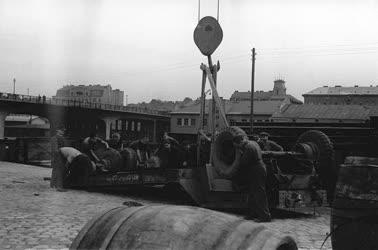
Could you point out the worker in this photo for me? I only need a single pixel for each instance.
(272, 167)
(268, 145)
(188, 154)
(115, 141)
(168, 153)
(205, 147)
(170, 139)
(255, 137)
(142, 149)
(75, 166)
(57, 141)
(91, 143)
(253, 173)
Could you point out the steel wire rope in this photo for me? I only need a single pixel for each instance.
(199, 10)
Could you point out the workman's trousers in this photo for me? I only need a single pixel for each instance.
(257, 199)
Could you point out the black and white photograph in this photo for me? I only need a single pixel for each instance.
(189, 124)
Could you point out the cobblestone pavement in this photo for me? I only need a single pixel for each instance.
(34, 216)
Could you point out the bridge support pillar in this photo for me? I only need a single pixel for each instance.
(154, 132)
(108, 127)
(3, 115)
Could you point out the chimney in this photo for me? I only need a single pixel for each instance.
(279, 88)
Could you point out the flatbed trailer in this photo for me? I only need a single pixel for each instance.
(207, 189)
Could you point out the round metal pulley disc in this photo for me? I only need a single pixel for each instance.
(208, 35)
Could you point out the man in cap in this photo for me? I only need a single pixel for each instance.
(168, 152)
(268, 145)
(115, 141)
(142, 149)
(91, 144)
(255, 137)
(253, 173)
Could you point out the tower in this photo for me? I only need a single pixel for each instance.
(279, 88)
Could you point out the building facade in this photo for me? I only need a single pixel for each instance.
(237, 110)
(19, 125)
(339, 95)
(133, 129)
(90, 94)
(278, 93)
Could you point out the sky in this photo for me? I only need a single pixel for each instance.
(146, 47)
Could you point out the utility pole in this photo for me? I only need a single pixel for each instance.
(14, 85)
(252, 87)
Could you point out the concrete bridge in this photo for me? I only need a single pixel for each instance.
(81, 118)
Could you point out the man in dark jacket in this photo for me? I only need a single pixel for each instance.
(169, 154)
(268, 145)
(142, 149)
(253, 173)
(115, 141)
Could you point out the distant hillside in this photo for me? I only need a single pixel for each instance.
(163, 106)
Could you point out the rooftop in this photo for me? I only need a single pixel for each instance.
(334, 112)
(236, 107)
(262, 96)
(339, 90)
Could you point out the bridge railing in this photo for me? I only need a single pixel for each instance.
(74, 103)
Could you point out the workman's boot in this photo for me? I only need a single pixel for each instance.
(61, 189)
(258, 220)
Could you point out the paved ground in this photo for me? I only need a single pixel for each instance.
(34, 216)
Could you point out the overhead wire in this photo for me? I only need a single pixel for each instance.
(274, 53)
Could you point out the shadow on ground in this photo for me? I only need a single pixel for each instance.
(174, 195)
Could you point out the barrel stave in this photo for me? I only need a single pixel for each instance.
(176, 227)
(354, 215)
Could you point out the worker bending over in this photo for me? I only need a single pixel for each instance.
(75, 165)
(253, 173)
(90, 145)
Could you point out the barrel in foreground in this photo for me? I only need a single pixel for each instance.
(176, 227)
(354, 217)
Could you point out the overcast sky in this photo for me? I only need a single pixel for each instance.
(146, 47)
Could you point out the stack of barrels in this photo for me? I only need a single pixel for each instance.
(354, 216)
(176, 227)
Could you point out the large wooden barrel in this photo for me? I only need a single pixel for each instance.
(354, 216)
(175, 227)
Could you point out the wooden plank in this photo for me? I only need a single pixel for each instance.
(215, 93)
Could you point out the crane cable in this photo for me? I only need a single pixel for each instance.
(199, 10)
